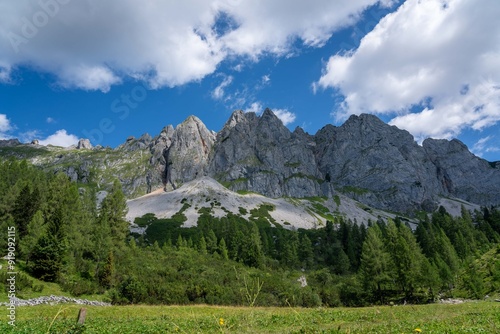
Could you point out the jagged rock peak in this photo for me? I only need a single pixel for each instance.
(191, 119)
(300, 132)
(269, 116)
(444, 146)
(365, 120)
(236, 117)
(9, 142)
(168, 130)
(187, 156)
(84, 144)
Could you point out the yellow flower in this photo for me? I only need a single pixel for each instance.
(221, 322)
(418, 330)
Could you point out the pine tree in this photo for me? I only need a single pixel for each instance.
(46, 258)
(106, 276)
(251, 253)
(376, 263)
(35, 230)
(223, 249)
(407, 257)
(342, 264)
(114, 206)
(102, 243)
(290, 256)
(25, 207)
(211, 240)
(202, 246)
(306, 253)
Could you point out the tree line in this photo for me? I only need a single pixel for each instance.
(64, 237)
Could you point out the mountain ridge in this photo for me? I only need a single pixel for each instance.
(365, 159)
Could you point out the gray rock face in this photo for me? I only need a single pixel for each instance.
(133, 144)
(462, 174)
(377, 164)
(186, 157)
(365, 159)
(84, 144)
(9, 142)
(260, 154)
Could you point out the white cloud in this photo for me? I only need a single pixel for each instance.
(5, 126)
(238, 68)
(287, 117)
(485, 145)
(272, 26)
(28, 136)
(493, 149)
(441, 55)
(480, 145)
(4, 73)
(218, 92)
(255, 107)
(266, 79)
(60, 138)
(88, 78)
(50, 120)
(95, 44)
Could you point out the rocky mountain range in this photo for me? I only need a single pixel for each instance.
(364, 159)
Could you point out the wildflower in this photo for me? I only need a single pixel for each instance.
(221, 322)
(418, 330)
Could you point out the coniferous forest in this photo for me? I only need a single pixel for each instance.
(63, 237)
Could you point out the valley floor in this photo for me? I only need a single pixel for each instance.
(470, 317)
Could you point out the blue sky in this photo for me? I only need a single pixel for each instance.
(109, 70)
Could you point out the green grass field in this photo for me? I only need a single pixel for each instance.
(471, 317)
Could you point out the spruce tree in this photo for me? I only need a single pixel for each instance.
(114, 206)
(306, 253)
(202, 246)
(223, 249)
(211, 240)
(35, 230)
(46, 259)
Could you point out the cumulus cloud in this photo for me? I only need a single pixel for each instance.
(95, 44)
(60, 138)
(5, 126)
(287, 117)
(441, 57)
(218, 92)
(88, 78)
(272, 26)
(255, 107)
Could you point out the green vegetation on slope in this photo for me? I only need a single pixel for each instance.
(63, 238)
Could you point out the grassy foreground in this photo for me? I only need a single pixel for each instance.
(472, 317)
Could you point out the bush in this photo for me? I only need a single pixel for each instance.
(133, 290)
(79, 286)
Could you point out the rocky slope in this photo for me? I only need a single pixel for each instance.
(365, 159)
(207, 195)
